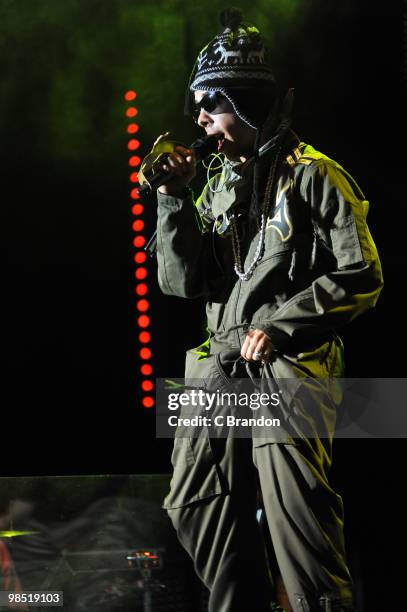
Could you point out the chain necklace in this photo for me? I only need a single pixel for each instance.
(239, 268)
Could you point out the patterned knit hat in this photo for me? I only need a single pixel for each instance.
(236, 63)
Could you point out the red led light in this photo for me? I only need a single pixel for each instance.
(133, 144)
(134, 160)
(147, 385)
(143, 305)
(131, 111)
(140, 257)
(145, 353)
(139, 241)
(132, 128)
(141, 289)
(140, 273)
(137, 209)
(143, 321)
(138, 225)
(146, 369)
(148, 402)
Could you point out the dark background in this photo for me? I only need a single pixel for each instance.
(71, 401)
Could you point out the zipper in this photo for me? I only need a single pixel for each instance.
(239, 291)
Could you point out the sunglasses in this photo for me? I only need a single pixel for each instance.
(213, 102)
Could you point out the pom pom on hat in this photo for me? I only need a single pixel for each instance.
(231, 17)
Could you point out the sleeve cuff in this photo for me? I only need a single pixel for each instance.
(175, 201)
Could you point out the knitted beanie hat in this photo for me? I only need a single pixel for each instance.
(236, 63)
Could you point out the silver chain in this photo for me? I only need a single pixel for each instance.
(245, 276)
(239, 269)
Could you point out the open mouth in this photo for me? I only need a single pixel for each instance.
(221, 140)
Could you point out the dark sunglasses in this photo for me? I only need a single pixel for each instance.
(213, 102)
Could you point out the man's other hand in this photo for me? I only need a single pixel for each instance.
(257, 346)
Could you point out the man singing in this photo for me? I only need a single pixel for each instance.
(278, 245)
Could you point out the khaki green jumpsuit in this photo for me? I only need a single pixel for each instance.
(320, 269)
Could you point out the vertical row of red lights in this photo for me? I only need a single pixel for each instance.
(140, 272)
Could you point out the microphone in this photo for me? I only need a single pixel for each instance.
(202, 147)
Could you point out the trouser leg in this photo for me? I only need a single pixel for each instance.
(223, 538)
(305, 518)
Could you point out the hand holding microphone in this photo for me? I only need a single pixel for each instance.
(174, 172)
(172, 162)
(182, 164)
